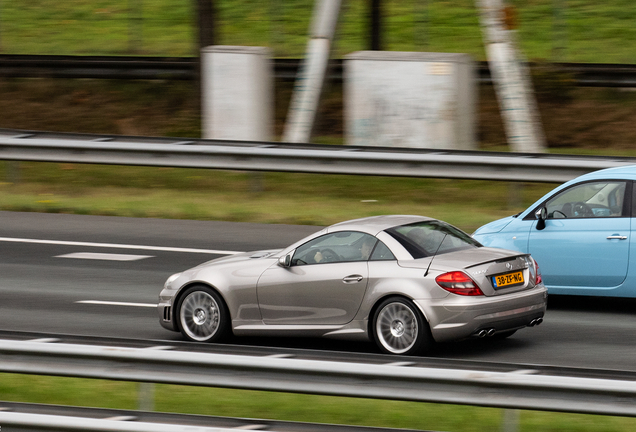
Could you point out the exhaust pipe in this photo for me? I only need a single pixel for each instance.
(535, 322)
(485, 333)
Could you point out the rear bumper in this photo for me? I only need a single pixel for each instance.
(459, 317)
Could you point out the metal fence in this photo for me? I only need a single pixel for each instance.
(521, 389)
(186, 68)
(305, 158)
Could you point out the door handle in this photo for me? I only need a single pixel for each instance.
(617, 237)
(352, 279)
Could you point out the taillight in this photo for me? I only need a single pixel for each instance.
(533, 267)
(458, 283)
(538, 279)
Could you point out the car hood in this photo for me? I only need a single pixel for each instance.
(243, 256)
(495, 226)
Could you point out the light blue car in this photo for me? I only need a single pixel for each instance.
(579, 234)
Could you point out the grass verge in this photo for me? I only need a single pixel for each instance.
(293, 407)
(306, 199)
(579, 31)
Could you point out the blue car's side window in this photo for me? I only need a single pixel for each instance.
(598, 199)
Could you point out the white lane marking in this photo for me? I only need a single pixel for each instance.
(112, 303)
(45, 340)
(104, 256)
(121, 418)
(404, 363)
(119, 246)
(280, 356)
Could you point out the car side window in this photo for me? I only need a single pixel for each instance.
(342, 246)
(597, 199)
(381, 253)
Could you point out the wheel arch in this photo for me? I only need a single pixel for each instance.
(380, 300)
(183, 289)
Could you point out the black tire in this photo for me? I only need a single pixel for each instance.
(202, 315)
(398, 327)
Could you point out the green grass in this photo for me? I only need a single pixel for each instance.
(255, 197)
(293, 407)
(590, 31)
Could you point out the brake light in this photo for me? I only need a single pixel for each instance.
(538, 279)
(458, 283)
(533, 267)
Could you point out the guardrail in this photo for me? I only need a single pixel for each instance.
(186, 68)
(306, 158)
(65, 418)
(521, 389)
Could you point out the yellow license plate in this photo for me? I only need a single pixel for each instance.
(507, 279)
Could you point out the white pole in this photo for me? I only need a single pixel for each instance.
(511, 78)
(311, 77)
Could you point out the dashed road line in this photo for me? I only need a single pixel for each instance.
(119, 246)
(104, 256)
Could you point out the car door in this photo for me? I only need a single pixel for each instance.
(585, 242)
(324, 285)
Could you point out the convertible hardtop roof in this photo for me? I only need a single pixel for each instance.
(375, 224)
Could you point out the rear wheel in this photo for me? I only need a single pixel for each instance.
(202, 315)
(399, 327)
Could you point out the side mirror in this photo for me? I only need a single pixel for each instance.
(285, 261)
(542, 215)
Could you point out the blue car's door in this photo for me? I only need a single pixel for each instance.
(585, 242)
(583, 252)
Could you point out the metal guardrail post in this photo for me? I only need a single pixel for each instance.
(146, 396)
(510, 420)
(12, 172)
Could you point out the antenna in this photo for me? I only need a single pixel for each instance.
(437, 250)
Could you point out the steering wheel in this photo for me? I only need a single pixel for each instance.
(580, 209)
(560, 212)
(328, 255)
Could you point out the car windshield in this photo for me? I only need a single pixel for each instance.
(423, 239)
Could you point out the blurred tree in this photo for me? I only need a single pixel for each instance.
(376, 24)
(206, 20)
(135, 23)
(559, 31)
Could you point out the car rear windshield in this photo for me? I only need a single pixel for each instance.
(423, 239)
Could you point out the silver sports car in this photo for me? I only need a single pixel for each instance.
(404, 282)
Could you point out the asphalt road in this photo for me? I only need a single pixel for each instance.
(45, 286)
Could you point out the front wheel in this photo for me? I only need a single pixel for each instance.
(202, 315)
(399, 327)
